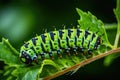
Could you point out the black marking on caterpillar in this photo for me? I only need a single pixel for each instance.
(66, 39)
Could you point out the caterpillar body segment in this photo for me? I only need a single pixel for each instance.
(65, 39)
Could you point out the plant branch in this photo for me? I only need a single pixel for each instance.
(87, 61)
(110, 26)
(117, 14)
(116, 41)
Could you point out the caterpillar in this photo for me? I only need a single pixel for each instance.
(66, 39)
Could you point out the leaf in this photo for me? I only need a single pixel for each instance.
(30, 75)
(48, 67)
(8, 54)
(6, 74)
(90, 22)
(26, 73)
(33, 72)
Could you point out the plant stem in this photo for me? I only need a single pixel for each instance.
(110, 26)
(116, 41)
(83, 63)
(117, 14)
(117, 37)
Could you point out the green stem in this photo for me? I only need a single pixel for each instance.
(117, 37)
(110, 26)
(116, 41)
(117, 14)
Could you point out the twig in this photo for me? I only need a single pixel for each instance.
(116, 40)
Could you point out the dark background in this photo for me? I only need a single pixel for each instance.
(20, 20)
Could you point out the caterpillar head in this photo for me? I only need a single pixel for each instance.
(28, 56)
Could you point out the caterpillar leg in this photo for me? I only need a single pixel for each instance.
(75, 51)
(81, 50)
(59, 53)
(90, 52)
(43, 56)
(36, 61)
(67, 51)
(51, 55)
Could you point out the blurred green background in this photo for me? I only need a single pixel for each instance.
(20, 20)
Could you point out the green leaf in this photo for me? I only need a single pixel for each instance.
(90, 22)
(33, 72)
(47, 68)
(6, 74)
(8, 54)
(26, 73)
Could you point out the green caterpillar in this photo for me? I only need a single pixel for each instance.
(57, 41)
